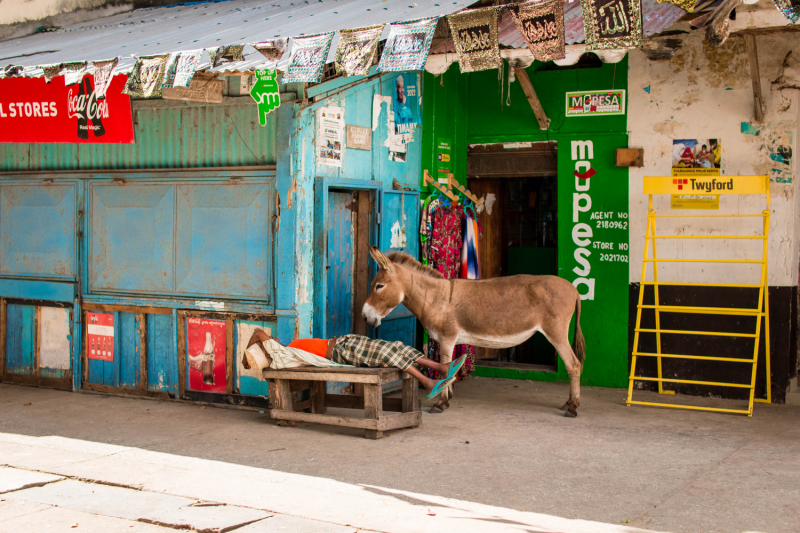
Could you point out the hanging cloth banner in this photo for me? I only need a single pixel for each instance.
(103, 73)
(73, 72)
(220, 54)
(541, 23)
(686, 5)
(185, 67)
(789, 8)
(612, 24)
(307, 59)
(408, 45)
(170, 69)
(475, 37)
(147, 76)
(272, 49)
(357, 49)
(51, 71)
(11, 71)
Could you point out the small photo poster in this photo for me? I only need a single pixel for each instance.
(100, 336)
(595, 103)
(405, 103)
(331, 136)
(206, 346)
(696, 156)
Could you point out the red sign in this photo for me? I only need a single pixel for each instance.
(206, 343)
(100, 336)
(32, 111)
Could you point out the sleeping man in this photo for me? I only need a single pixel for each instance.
(354, 350)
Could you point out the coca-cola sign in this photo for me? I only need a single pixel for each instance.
(34, 111)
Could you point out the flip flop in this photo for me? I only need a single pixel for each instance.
(455, 366)
(439, 388)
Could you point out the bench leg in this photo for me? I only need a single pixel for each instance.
(318, 389)
(410, 396)
(281, 397)
(373, 407)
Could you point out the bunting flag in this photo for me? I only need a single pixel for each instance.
(147, 76)
(541, 23)
(408, 45)
(272, 49)
(73, 72)
(51, 71)
(185, 67)
(170, 69)
(475, 37)
(789, 8)
(307, 59)
(221, 54)
(612, 24)
(357, 49)
(12, 71)
(686, 5)
(103, 72)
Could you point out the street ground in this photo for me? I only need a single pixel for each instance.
(502, 458)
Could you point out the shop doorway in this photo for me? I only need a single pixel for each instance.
(519, 219)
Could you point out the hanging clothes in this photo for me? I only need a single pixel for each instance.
(444, 240)
(470, 264)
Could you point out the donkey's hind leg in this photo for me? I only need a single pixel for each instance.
(573, 367)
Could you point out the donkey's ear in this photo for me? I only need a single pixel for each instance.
(377, 255)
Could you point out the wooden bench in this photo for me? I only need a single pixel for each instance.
(375, 421)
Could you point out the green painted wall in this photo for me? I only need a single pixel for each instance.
(477, 108)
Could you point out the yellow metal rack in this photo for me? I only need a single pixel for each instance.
(726, 185)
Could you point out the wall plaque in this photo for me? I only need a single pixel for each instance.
(359, 137)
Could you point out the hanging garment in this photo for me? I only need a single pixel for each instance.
(470, 265)
(444, 254)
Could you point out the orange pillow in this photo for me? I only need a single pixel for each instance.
(316, 346)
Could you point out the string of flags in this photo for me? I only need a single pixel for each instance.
(615, 24)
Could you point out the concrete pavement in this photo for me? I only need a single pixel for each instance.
(502, 458)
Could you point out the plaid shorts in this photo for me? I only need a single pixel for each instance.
(358, 350)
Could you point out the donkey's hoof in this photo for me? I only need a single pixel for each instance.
(565, 406)
(435, 410)
(570, 413)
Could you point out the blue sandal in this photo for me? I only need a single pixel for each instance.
(455, 366)
(440, 386)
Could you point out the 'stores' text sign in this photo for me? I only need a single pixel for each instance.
(32, 111)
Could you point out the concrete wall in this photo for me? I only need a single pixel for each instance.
(25, 10)
(703, 93)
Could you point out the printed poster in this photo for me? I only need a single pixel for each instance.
(405, 102)
(331, 136)
(595, 103)
(696, 156)
(443, 150)
(206, 346)
(100, 336)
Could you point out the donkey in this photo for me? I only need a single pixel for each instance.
(493, 313)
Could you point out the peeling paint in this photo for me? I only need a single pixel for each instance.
(749, 129)
(209, 305)
(292, 189)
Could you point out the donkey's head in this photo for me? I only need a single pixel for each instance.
(386, 292)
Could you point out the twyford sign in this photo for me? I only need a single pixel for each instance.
(32, 111)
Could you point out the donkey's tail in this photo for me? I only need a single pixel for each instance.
(579, 344)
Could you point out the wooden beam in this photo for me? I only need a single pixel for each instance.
(755, 75)
(530, 93)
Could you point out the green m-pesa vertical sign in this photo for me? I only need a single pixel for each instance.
(593, 229)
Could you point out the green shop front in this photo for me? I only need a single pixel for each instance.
(554, 201)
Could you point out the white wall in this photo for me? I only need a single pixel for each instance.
(13, 11)
(707, 93)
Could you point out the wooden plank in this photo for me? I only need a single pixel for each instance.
(373, 408)
(108, 308)
(302, 405)
(755, 76)
(37, 320)
(630, 157)
(296, 385)
(297, 373)
(62, 383)
(142, 322)
(283, 396)
(181, 325)
(361, 259)
(122, 390)
(318, 397)
(527, 87)
(395, 376)
(346, 421)
(3, 309)
(410, 399)
(399, 421)
(230, 349)
(353, 401)
(199, 90)
(84, 350)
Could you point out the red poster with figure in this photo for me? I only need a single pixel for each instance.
(100, 336)
(206, 344)
(32, 111)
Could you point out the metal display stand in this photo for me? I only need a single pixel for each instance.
(730, 185)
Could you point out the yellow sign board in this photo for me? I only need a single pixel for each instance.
(694, 201)
(693, 184)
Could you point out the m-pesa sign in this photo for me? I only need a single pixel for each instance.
(32, 111)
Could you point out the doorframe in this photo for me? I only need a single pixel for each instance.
(322, 187)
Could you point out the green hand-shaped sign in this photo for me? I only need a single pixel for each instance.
(266, 93)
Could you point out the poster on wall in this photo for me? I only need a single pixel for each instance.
(405, 103)
(443, 150)
(331, 136)
(206, 347)
(100, 336)
(33, 111)
(595, 103)
(696, 156)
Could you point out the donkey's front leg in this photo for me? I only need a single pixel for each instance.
(446, 348)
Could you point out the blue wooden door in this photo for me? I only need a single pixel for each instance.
(399, 232)
(341, 253)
